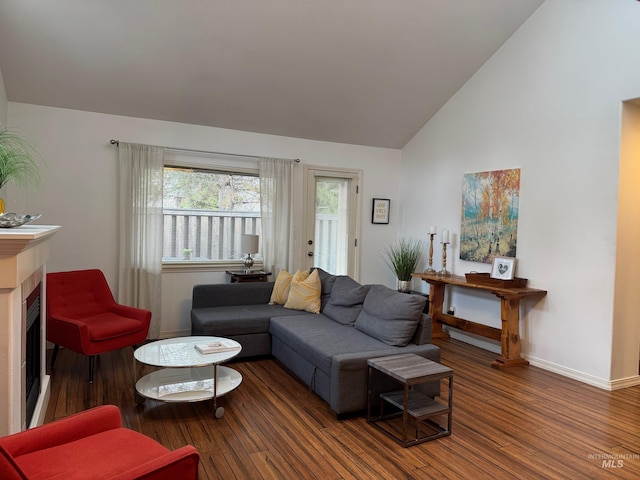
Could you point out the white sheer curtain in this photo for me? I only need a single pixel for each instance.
(140, 266)
(276, 211)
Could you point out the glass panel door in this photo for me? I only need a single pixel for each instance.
(331, 237)
(331, 212)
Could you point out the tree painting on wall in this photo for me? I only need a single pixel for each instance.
(489, 215)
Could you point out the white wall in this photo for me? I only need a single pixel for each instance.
(548, 102)
(3, 102)
(80, 190)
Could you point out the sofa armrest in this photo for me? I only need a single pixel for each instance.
(181, 463)
(65, 430)
(423, 332)
(227, 294)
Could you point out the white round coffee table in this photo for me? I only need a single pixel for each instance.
(185, 373)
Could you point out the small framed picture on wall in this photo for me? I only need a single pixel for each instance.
(503, 268)
(380, 210)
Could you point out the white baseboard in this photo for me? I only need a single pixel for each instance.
(584, 377)
(625, 382)
(550, 366)
(474, 340)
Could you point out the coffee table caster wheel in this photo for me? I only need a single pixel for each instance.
(139, 399)
(219, 412)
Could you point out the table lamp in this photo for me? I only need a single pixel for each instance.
(249, 244)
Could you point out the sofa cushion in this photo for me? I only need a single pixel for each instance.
(327, 281)
(235, 320)
(318, 339)
(389, 315)
(281, 288)
(345, 302)
(107, 326)
(304, 293)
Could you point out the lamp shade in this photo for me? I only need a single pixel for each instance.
(249, 243)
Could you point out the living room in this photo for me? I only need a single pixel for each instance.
(555, 100)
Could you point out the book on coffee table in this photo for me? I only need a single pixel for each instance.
(216, 347)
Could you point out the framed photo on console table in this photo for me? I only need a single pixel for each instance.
(503, 268)
(380, 210)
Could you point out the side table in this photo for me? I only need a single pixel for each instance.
(410, 370)
(186, 375)
(239, 276)
(508, 335)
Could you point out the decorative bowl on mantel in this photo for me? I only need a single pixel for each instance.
(10, 220)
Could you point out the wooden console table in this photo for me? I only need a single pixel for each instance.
(508, 335)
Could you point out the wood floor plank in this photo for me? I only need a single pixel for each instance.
(522, 422)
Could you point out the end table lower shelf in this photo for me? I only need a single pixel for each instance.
(419, 405)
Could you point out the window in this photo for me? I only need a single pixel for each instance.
(206, 210)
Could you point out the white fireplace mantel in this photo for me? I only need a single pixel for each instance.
(23, 253)
(18, 257)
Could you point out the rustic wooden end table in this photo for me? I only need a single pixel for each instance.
(410, 370)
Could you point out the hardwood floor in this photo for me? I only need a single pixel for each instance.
(516, 423)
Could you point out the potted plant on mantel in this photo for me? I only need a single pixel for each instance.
(402, 257)
(17, 163)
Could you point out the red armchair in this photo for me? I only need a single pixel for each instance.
(83, 316)
(92, 444)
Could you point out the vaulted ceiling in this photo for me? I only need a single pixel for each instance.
(368, 72)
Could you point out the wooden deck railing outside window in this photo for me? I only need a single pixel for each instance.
(202, 235)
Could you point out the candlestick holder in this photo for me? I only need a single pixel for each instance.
(444, 272)
(430, 268)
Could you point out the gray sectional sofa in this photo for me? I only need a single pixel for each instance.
(328, 351)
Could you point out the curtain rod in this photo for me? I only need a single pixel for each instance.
(176, 149)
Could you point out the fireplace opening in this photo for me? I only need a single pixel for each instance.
(32, 351)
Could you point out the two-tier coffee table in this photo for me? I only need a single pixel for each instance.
(410, 370)
(185, 374)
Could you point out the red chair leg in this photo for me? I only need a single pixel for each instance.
(54, 355)
(92, 363)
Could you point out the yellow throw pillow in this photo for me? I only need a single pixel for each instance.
(280, 291)
(304, 293)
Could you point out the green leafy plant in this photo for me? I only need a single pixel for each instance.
(403, 256)
(17, 160)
